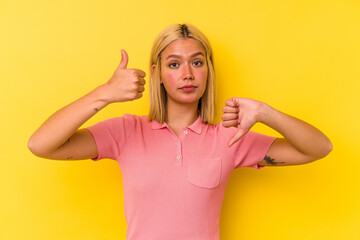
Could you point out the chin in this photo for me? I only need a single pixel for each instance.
(188, 100)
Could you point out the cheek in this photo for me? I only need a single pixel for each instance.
(169, 78)
(202, 75)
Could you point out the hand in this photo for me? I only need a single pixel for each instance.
(241, 113)
(125, 84)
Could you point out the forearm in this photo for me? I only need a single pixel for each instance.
(60, 126)
(301, 135)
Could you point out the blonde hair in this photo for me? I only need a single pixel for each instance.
(158, 97)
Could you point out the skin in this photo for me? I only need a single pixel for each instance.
(56, 140)
(183, 63)
(302, 143)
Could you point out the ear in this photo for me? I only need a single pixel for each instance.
(153, 70)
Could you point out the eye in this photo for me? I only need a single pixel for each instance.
(173, 65)
(197, 63)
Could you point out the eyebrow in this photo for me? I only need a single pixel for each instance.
(178, 56)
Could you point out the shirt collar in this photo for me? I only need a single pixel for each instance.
(157, 125)
(195, 126)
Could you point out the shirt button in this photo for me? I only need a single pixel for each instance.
(178, 157)
(177, 143)
(185, 132)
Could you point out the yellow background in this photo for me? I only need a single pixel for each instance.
(301, 57)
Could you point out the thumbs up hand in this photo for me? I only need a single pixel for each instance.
(125, 84)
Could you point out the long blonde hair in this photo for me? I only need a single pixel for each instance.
(158, 93)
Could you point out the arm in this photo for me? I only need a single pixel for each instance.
(302, 143)
(59, 137)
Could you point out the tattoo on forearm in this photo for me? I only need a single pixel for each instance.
(70, 157)
(271, 161)
(96, 109)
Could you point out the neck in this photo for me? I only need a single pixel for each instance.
(181, 115)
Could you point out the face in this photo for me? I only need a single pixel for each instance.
(184, 71)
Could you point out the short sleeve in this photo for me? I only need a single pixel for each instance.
(110, 136)
(250, 149)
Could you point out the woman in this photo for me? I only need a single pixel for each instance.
(175, 165)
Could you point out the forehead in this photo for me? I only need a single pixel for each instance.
(183, 47)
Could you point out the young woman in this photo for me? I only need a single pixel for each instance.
(175, 165)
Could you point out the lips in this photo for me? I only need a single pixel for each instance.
(188, 88)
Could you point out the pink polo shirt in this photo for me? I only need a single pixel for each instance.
(174, 185)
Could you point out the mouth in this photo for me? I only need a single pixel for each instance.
(188, 88)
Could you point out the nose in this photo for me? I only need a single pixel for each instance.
(187, 72)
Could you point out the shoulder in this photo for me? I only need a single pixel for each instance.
(125, 121)
(127, 117)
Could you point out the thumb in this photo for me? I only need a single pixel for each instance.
(124, 59)
(241, 132)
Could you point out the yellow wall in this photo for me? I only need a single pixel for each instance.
(301, 57)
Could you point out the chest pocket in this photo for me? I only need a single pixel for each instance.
(204, 172)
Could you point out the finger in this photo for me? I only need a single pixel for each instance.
(229, 116)
(139, 95)
(141, 89)
(230, 102)
(236, 137)
(231, 123)
(228, 109)
(141, 81)
(140, 73)
(124, 59)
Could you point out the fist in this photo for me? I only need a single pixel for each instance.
(125, 84)
(241, 113)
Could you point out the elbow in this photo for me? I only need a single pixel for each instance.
(330, 147)
(327, 148)
(34, 148)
